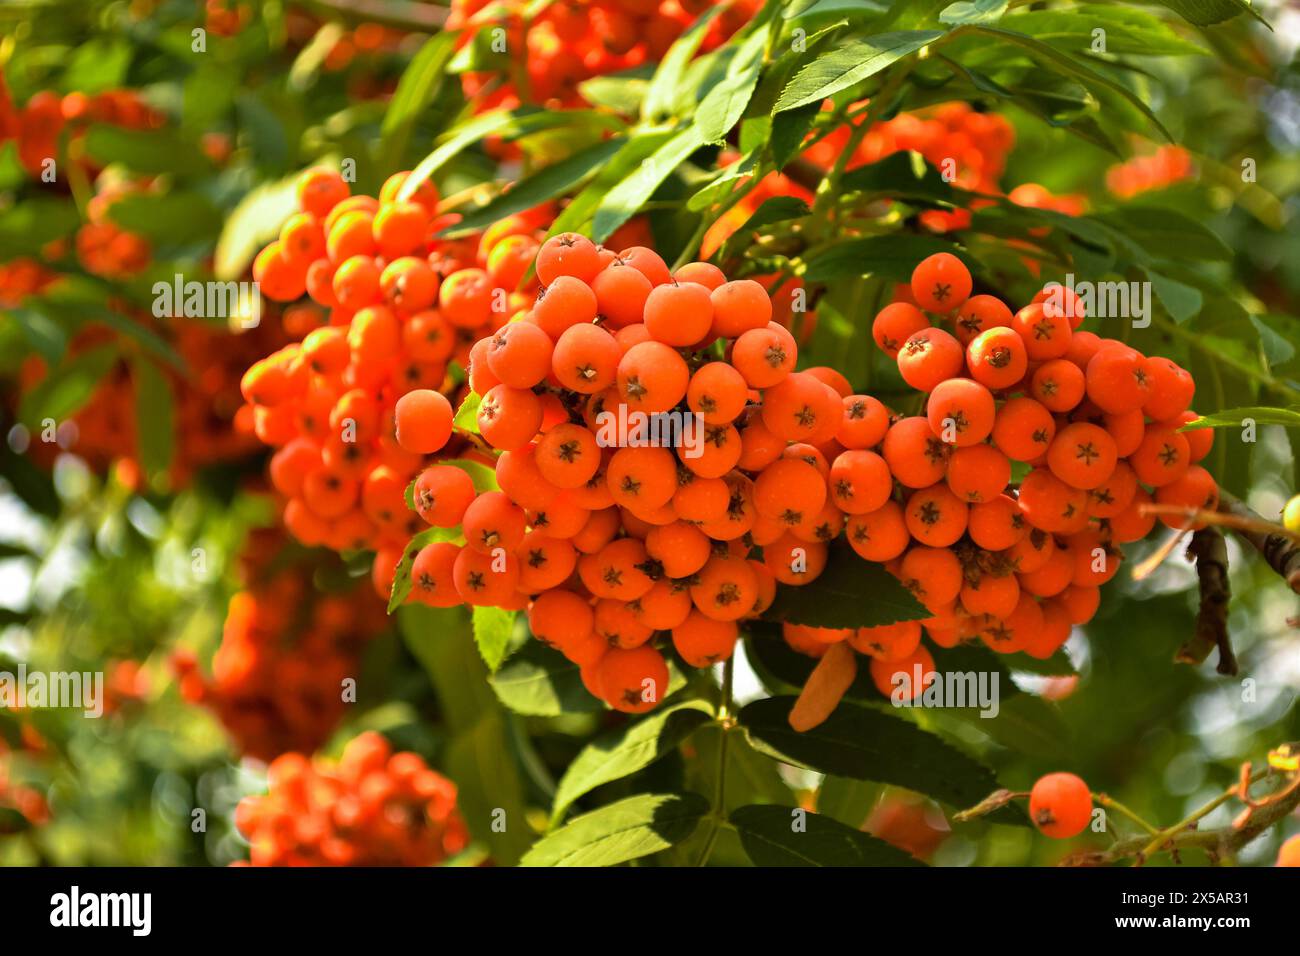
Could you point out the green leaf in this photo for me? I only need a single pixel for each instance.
(973, 11)
(488, 783)
(850, 592)
(622, 94)
(850, 63)
(667, 79)
(890, 257)
(576, 217)
(98, 65)
(723, 105)
(1182, 301)
(625, 750)
(466, 418)
(770, 837)
(900, 176)
(541, 682)
(493, 628)
(514, 123)
(866, 744)
(402, 575)
(1127, 30)
(627, 198)
(154, 416)
(484, 478)
(545, 184)
(417, 87)
(251, 225)
(1205, 13)
(1234, 417)
(622, 831)
(174, 217)
(27, 226)
(848, 801)
(152, 151)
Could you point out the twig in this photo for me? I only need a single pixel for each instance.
(1210, 552)
(1274, 543)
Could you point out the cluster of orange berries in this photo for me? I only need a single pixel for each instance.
(401, 306)
(1169, 164)
(39, 124)
(22, 277)
(27, 802)
(1015, 564)
(104, 247)
(574, 40)
(277, 677)
(372, 807)
(606, 534)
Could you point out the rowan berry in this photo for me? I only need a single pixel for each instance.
(1172, 389)
(934, 575)
(1058, 385)
(465, 299)
(724, 589)
(1023, 429)
(1117, 379)
(1082, 455)
(644, 477)
(1199, 440)
(647, 262)
(1289, 853)
(563, 517)
(997, 358)
(997, 523)
(652, 377)
(423, 418)
(679, 314)
(302, 240)
(895, 324)
(860, 482)
(739, 306)
(906, 678)
(1015, 631)
(702, 640)
(929, 357)
(717, 392)
(941, 282)
(888, 642)
(509, 417)
(1195, 488)
(1050, 504)
(961, 411)
(567, 254)
(701, 273)
(519, 354)
(788, 490)
(486, 579)
(802, 408)
(994, 595)
(879, 535)
(1162, 458)
(915, 455)
(1053, 577)
(865, 422)
(432, 575)
(1060, 805)
(1079, 602)
(492, 521)
(621, 294)
(716, 454)
(330, 493)
(978, 314)
(617, 570)
(977, 473)
(601, 527)
(764, 356)
(441, 495)
(795, 562)
(319, 190)
(633, 681)
(935, 516)
(1046, 337)
(399, 229)
(1114, 494)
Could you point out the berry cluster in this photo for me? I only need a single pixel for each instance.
(105, 248)
(372, 807)
(1093, 424)
(285, 650)
(573, 40)
(402, 305)
(1169, 164)
(608, 532)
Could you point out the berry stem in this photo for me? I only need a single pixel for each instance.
(717, 816)
(1111, 803)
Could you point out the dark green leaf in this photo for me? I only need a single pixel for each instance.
(175, 217)
(541, 682)
(625, 750)
(662, 92)
(416, 88)
(154, 416)
(848, 64)
(1127, 30)
(889, 257)
(780, 836)
(850, 592)
(627, 198)
(1207, 12)
(146, 150)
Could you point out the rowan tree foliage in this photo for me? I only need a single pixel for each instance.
(325, 329)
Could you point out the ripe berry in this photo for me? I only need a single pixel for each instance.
(929, 357)
(895, 324)
(1082, 455)
(679, 315)
(1060, 805)
(738, 307)
(1118, 380)
(1023, 429)
(960, 411)
(621, 294)
(941, 282)
(702, 640)
(423, 420)
(567, 254)
(652, 377)
(632, 681)
(997, 358)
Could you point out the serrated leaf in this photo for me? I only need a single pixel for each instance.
(466, 417)
(625, 750)
(867, 744)
(493, 627)
(848, 64)
(1235, 417)
(627, 198)
(1181, 301)
(725, 103)
(890, 257)
(770, 837)
(541, 682)
(850, 592)
(1126, 30)
(667, 79)
(622, 831)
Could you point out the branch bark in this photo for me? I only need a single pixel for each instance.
(1210, 553)
(1281, 553)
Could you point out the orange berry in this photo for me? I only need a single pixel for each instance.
(1172, 389)
(1023, 429)
(423, 419)
(621, 295)
(492, 521)
(738, 307)
(888, 642)
(978, 314)
(935, 516)
(1082, 455)
(997, 358)
(997, 523)
(441, 495)
(934, 575)
(717, 392)
(399, 229)
(929, 357)
(879, 535)
(960, 411)
(433, 575)
(865, 422)
(632, 681)
(788, 490)
(860, 482)
(617, 570)
(509, 417)
(567, 455)
(1162, 458)
(906, 678)
(486, 580)
(567, 254)
(764, 356)
(519, 354)
(702, 273)
(1195, 488)
(977, 473)
(795, 562)
(941, 282)
(647, 262)
(664, 607)
(652, 377)
(560, 619)
(465, 299)
(724, 589)
(1117, 379)
(702, 641)
(1060, 805)
(1046, 337)
(679, 315)
(915, 455)
(802, 408)
(895, 324)
(320, 190)
(1058, 385)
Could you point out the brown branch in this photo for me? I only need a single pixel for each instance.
(1277, 548)
(1210, 552)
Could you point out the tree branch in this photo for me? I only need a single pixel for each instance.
(1280, 551)
(1210, 552)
